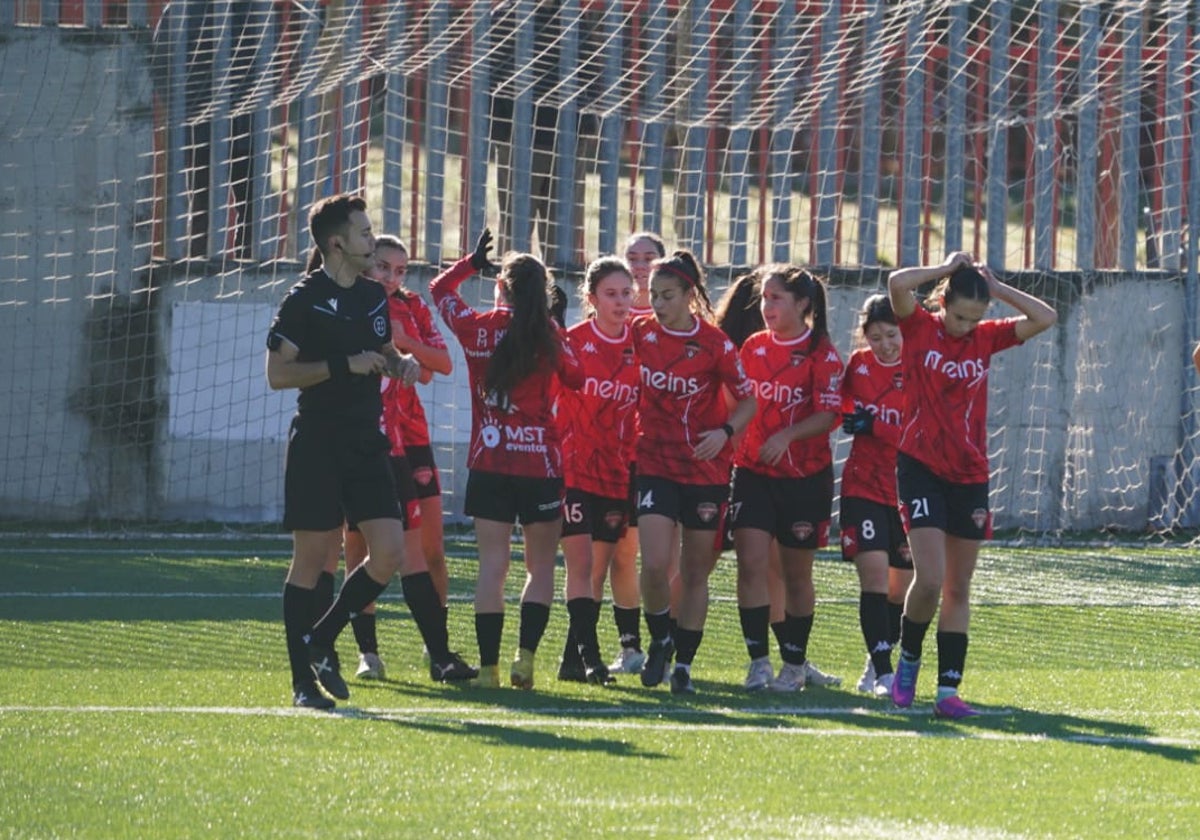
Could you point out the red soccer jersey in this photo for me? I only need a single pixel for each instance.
(790, 383)
(521, 438)
(598, 422)
(945, 394)
(401, 405)
(870, 471)
(681, 396)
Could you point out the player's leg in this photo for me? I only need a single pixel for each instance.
(753, 548)
(541, 548)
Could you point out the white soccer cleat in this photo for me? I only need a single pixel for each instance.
(760, 675)
(370, 667)
(866, 683)
(628, 661)
(813, 676)
(790, 678)
(883, 686)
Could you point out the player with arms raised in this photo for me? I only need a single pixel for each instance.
(942, 468)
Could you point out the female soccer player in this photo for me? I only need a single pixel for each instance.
(872, 534)
(413, 467)
(515, 356)
(942, 468)
(641, 250)
(783, 479)
(598, 424)
(683, 456)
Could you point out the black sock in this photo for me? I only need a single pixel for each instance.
(873, 619)
(755, 621)
(427, 612)
(799, 631)
(359, 590)
(952, 658)
(298, 605)
(779, 630)
(488, 629)
(364, 632)
(912, 638)
(570, 654)
(534, 618)
(628, 621)
(582, 612)
(323, 595)
(894, 612)
(687, 642)
(660, 625)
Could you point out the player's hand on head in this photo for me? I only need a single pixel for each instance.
(480, 261)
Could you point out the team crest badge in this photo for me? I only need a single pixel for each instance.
(380, 326)
(898, 381)
(707, 511)
(691, 348)
(627, 355)
(980, 517)
(802, 530)
(423, 475)
(797, 358)
(613, 519)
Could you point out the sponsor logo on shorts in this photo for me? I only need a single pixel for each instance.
(707, 511)
(802, 530)
(555, 505)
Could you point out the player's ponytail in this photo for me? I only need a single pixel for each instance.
(802, 284)
(965, 283)
(684, 265)
(529, 342)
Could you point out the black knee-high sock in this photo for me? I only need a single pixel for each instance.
(779, 630)
(534, 618)
(323, 595)
(687, 643)
(894, 612)
(426, 608)
(660, 626)
(912, 637)
(488, 629)
(570, 654)
(873, 619)
(952, 658)
(755, 623)
(363, 625)
(628, 624)
(359, 590)
(298, 607)
(582, 612)
(799, 633)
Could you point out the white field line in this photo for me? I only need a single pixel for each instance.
(553, 718)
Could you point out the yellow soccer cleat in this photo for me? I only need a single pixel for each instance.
(522, 669)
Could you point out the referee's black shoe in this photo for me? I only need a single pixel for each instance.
(328, 670)
(306, 695)
(453, 669)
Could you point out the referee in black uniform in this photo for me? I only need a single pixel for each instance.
(332, 340)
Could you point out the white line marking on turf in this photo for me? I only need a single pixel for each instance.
(537, 719)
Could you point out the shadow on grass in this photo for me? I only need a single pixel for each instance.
(722, 706)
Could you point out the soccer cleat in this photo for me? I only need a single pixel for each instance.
(488, 677)
(328, 670)
(306, 695)
(453, 669)
(370, 667)
(814, 676)
(760, 675)
(628, 661)
(904, 683)
(791, 677)
(681, 681)
(883, 686)
(521, 673)
(866, 683)
(598, 674)
(572, 670)
(953, 708)
(658, 661)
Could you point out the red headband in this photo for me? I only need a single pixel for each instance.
(678, 272)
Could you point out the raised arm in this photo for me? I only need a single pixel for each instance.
(1039, 316)
(903, 282)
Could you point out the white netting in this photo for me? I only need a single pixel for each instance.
(158, 165)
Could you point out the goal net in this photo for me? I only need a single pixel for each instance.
(159, 160)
